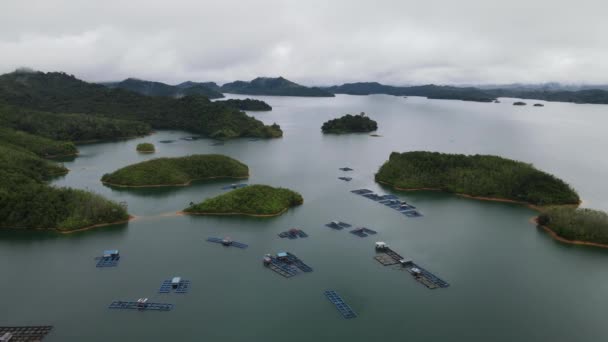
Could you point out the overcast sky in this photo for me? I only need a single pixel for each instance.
(309, 41)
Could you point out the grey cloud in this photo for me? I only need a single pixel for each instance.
(313, 42)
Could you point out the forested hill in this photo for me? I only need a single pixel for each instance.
(61, 93)
(596, 96)
(273, 86)
(151, 88)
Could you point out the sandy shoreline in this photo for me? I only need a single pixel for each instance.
(564, 240)
(63, 231)
(165, 185)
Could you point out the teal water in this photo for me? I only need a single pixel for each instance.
(509, 280)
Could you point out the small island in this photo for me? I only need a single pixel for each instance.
(350, 124)
(145, 148)
(576, 225)
(479, 176)
(180, 171)
(539, 105)
(519, 103)
(253, 200)
(247, 104)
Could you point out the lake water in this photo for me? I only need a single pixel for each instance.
(509, 280)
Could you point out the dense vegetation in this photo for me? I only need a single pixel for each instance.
(430, 91)
(28, 202)
(145, 148)
(576, 224)
(250, 200)
(62, 93)
(273, 86)
(177, 171)
(41, 146)
(477, 175)
(247, 104)
(150, 88)
(69, 127)
(350, 124)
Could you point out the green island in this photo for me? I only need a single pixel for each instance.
(247, 104)
(253, 200)
(60, 93)
(27, 201)
(481, 176)
(145, 148)
(273, 86)
(350, 124)
(179, 171)
(576, 225)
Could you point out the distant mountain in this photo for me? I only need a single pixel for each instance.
(273, 86)
(430, 91)
(150, 88)
(62, 93)
(190, 84)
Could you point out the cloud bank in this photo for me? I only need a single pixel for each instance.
(312, 42)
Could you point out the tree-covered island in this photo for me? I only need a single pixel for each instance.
(350, 124)
(145, 148)
(179, 171)
(482, 176)
(247, 104)
(253, 200)
(576, 225)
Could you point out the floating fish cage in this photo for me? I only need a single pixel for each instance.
(227, 242)
(390, 201)
(342, 307)
(176, 285)
(338, 225)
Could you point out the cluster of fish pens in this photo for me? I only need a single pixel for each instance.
(390, 201)
(293, 234)
(286, 264)
(387, 257)
(24, 333)
(359, 231)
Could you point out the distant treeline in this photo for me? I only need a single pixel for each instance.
(597, 96)
(150, 88)
(476, 175)
(247, 104)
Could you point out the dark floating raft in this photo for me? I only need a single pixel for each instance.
(293, 233)
(109, 258)
(176, 285)
(338, 225)
(286, 264)
(389, 257)
(227, 242)
(347, 179)
(217, 143)
(342, 307)
(166, 141)
(390, 201)
(33, 333)
(346, 169)
(140, 305)
(363, 232)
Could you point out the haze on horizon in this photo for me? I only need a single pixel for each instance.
(312, 42)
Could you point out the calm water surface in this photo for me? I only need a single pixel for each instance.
(509, 280)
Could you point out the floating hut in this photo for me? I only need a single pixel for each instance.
(110, 253)
(175, 282)
(380, 245)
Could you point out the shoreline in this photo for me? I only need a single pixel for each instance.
(556, 237)
(168, 185)
(55, 156)
(483, 198)
(99, 225)
(94, 141)
(183, 213)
